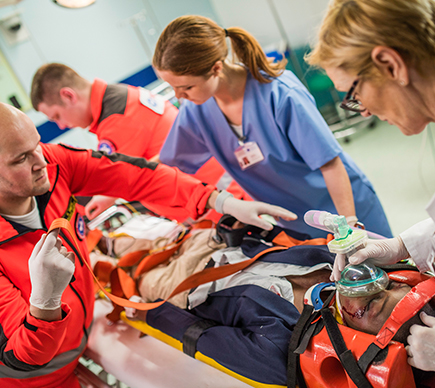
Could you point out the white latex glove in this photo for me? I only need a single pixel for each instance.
(97, 205)
(351, 220)
(51, 267)
(378, 252)
(134, 314)
(421, 348)
(248, 212)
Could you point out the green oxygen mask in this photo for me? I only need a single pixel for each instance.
(362, 280)
(356, 280)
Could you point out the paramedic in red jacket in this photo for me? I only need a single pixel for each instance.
(46, 302)
(126, 119)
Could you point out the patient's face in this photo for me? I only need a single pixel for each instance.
(369, 313)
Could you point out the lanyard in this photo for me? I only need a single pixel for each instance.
(240, 139)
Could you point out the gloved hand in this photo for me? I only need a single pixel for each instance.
(51, 268)
(248, 212)
(378, 252)
(97, 205)
(351, 220)
(134, 314)
(421, 348)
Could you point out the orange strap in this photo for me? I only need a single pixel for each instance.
(157, 258)
(288, 241)
(132, 258)
(93, 238)
(205, 276)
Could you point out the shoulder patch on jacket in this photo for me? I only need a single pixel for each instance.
(114, 101)
(138, 162)
(106, 146)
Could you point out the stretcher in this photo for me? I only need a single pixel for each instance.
(145, 362)
(142, 362)
(136, 359)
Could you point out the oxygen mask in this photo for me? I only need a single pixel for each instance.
(362, 280)
(356, 280)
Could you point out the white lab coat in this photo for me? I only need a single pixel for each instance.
(419, 240)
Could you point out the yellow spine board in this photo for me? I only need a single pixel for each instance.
(147, 329)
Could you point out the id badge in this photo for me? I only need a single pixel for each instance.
(248, 154)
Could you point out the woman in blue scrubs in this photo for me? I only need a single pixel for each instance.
(260, 123)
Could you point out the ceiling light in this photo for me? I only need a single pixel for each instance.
(74, 3)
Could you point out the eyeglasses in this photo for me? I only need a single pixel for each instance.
(350, 102)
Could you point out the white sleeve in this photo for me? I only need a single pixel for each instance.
(419, 240)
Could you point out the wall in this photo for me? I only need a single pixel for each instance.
(97, 41)
(114, 39)
(298, 18)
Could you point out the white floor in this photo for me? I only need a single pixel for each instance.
(401, 169)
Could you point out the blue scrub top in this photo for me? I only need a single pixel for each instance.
(282, 118)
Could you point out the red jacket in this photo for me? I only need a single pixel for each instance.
(129, 120)
(36, 353)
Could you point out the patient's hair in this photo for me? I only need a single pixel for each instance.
(49, 79)
(191, 45)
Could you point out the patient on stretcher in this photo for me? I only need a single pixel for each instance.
(254, 311)
(287, 280)
(291, 282)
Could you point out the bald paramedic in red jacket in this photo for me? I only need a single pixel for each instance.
(126, 119)
(46, 293)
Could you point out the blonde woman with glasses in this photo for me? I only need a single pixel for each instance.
(382, 53)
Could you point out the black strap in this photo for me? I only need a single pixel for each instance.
(232, 237)
(327, 302)
(309, 333)
(293, 366)
(303, 329)
(368, 356)
(192, 334)
(306, 338)
(398, 267)
(345, 355)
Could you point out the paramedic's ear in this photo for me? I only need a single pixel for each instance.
(68, 96)
(217, 68)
